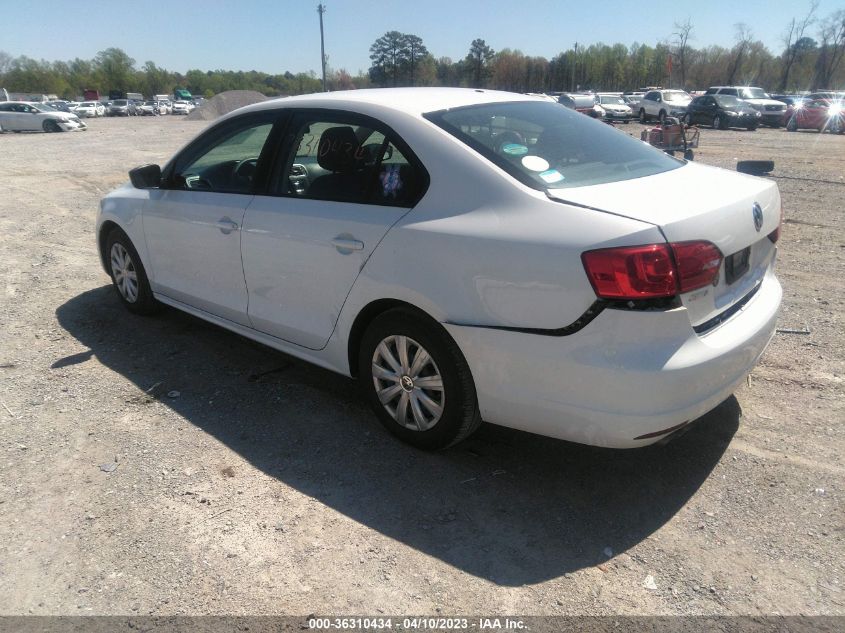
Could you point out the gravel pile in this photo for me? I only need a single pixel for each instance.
(224, 103)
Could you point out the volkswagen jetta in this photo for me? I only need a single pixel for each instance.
(468, 255)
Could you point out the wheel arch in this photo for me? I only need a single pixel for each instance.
(105, 230)
(368, 314)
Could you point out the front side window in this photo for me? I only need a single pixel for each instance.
(349, 160)
(228, 164)
(549, 147)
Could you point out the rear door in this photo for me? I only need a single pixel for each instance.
(342, 181)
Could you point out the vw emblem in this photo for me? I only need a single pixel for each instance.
(407, 383)
(757, 212)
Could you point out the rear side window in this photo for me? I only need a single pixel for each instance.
(549, 147)
(346, 158)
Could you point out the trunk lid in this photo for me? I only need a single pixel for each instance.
(698, 202)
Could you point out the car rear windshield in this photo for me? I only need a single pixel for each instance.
(547, 146)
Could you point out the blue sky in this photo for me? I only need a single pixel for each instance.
(278, 35)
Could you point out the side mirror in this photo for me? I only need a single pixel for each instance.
(145, 177)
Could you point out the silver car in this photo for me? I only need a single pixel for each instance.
(23, 116)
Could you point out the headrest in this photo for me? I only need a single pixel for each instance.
(339, 150)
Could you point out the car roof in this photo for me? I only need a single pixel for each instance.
(414, 101)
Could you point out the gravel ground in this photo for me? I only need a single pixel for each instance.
(165, 466)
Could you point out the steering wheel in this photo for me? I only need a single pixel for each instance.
(244, 170)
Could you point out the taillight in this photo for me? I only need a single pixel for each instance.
(698, 264)
(774, 236)
(651, 271)
(631, 272)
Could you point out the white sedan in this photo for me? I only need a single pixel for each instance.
(23, 116)
(181, 107)
(87, 109)
(469, 255)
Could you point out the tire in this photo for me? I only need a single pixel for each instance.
(643, 117)
(661, 116)
(381, 370)
(718, 123)
(792, 125)
(687, 119)
(752, 128)
(51, 126)
(125, 267)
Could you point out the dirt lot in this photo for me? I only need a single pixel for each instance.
(265, 485)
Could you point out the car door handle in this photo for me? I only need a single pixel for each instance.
(347, 244)
(226, 226)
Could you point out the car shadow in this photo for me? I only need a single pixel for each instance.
(507, 506)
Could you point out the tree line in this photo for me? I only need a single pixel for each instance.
(811, 57)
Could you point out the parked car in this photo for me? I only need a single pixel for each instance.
(817, 114)
(615, 108)
(771, 110)
(181, 107)
(151, 108)
(21, 116)
(790, 100)
(722, 112)
(86, 109)
(633, 101)
(658, 104)
(832, 95)
(551, 284)
(60, 106)
(583, 103)
(123, 107)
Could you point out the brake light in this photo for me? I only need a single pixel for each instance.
(631, 272)
(774, 236)
(651, 271)
(698, 264)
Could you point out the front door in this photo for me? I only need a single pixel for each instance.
(193, 224)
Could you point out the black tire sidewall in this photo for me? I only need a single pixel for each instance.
(146, 303)
(461, 402)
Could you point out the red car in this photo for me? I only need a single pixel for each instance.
(818, 114)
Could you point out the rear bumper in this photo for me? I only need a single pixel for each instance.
(624, 376)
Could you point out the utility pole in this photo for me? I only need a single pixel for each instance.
(321, 10)
(574, 62)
